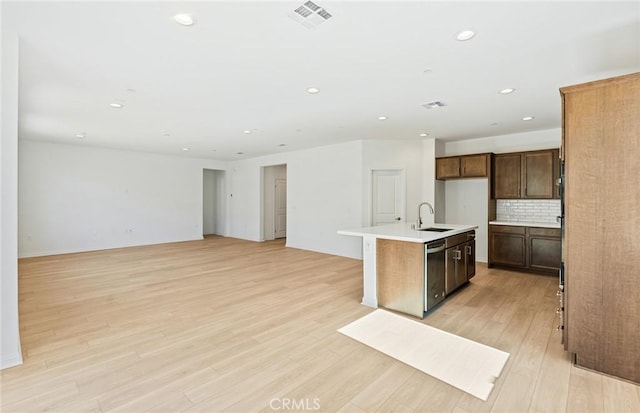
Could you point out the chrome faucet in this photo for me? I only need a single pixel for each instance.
(420, 209)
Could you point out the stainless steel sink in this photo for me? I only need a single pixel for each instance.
(432, 229)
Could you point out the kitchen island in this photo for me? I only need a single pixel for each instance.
(405, 235)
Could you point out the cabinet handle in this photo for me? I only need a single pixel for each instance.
(468, 248)
(457, 255)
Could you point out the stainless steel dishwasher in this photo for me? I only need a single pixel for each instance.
(434, 273)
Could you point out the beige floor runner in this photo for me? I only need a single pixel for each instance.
(462, 363)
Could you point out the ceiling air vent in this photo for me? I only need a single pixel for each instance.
(310, 15)
(433, 105)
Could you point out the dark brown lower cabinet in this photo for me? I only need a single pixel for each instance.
(508, 245)
(531, 249)
(544, 247)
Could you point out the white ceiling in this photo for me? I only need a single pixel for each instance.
(247, 66)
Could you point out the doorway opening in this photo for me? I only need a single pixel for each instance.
(388, 196)
(274, 202)
(213, 202)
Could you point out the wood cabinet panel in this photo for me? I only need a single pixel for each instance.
(474, 166)
(507, 176)
(508, 249)
(545, 253)
(470, 262)
(464, 166)
(546, 232)
(510, 229)
(526, 175)
(534, 249)
(538, 173)
(601, 145)
(448, 167)
(400, 281)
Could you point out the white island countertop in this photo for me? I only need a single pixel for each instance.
(402, 231)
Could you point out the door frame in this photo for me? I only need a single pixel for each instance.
(220, 202)
(267, 201)
(373, 192)
(279, 181)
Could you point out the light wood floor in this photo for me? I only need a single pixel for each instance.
(229, 325)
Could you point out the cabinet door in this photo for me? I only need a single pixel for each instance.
(507, 170)
(448, 167)
(451, 269)
(539, 174)
(474, 165)
(544, 252)
(508, 249)
(470, 259)
(461, 265)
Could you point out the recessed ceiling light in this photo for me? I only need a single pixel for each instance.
(246, 131)
(424, 134)
(529, 118)
(494, 124)
(313, 90)
(80, 135)
(283, 144)
(131, 90)
(382, 118)
(507, 91)
(465, 35)
(185, 149)
(239, 153)
(427, 71)
(116, 105)
(167, 134)
(184, 19)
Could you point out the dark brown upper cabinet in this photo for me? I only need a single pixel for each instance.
(526, 175)
(465, 166)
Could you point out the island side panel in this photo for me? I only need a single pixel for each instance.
(400, 267)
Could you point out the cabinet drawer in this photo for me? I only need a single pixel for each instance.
(546, 232)
(456, 239)
(508, 229)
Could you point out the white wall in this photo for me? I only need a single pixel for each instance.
(76, 198)
(324, 190)
(405, 155)
(467, 199)
(467, 203)
(432, 189)
(10, 353)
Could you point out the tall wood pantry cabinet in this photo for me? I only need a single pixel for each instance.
(601, 151)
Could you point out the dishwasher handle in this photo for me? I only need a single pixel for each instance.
(434, 249)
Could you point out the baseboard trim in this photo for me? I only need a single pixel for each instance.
(78, 250)
(10, 360)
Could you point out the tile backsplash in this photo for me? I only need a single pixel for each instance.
(527, 210)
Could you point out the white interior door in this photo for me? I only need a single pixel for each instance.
(388, 196)
(280, 208)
